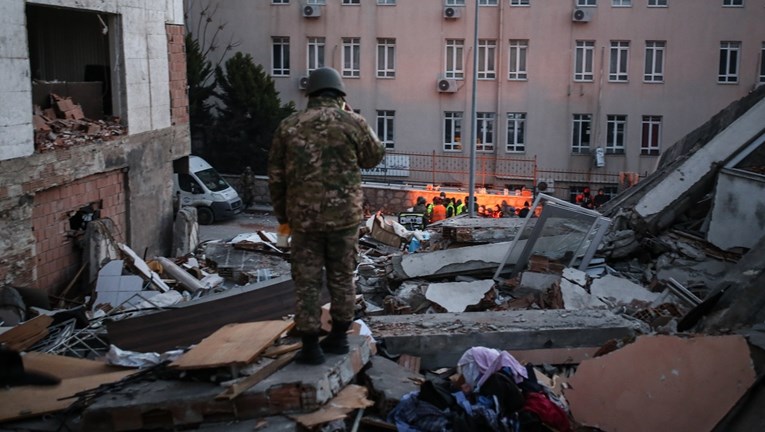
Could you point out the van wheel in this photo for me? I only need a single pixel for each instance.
(205, 216)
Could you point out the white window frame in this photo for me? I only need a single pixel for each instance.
(315, 54)
(618, 65)
(650, 139)
(519, 3)
(455, 2)
(516, 132)
(586, 3)
(730, 57)
(386, 58)
(386, 2)
(485, 127)
(351, 2)
(386, 127)
(653, 69)
(316, 2)
(621, 3)
(658, 3)
(584, 61)
(453, 131)
(581, 128)
(351, 57)
(278, 2)
(616, 133)
(518, 50)
(733, 3)
(487, 59)
(488, 3)
(762, 64)
(280, 44)
(454, 52)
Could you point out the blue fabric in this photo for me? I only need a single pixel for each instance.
(414, 415)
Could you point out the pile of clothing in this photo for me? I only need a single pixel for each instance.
(498, 394)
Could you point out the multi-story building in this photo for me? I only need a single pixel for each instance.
(60, 164)
(586, 89)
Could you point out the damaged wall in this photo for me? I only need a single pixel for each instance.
(130, 176)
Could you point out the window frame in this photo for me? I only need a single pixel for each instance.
(385, 122)
(351, 3)
(618, 61)
(488, 3)
(651, 128)
(315, 53)
(520, 3)
(616, 134)
(658, 3)
(385, 63)
(586, 50)
(586, 3)
(487, 59)
(454, 59)
(517, 60)
(581, 123)
(316, 2)
(621, 3)
(761, 78)
(485, 128)
(452, 129)
(724, 73)
(280, 2)
(351, 57)
(278, 42)
(386, 2)
(733, 3)
(515, 132)
(653, 66)
(455, 2)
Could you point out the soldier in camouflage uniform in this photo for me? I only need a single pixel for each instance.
(315, 185)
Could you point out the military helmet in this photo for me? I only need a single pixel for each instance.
(324, 78)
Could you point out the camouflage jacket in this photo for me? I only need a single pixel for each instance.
(313, 166)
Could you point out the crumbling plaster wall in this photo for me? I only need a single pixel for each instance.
(155, 111)
(739, 202)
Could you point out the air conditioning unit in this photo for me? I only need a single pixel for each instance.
(303, 83)
(446, 85)
(546, 186)
(581, 15)
(311, 11)
(451, 12)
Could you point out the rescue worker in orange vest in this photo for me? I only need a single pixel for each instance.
(439, 211)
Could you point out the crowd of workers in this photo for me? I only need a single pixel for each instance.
(443, 207)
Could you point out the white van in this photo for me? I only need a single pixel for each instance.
(196, 183)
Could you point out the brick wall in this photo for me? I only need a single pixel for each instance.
(176, 53)
(58, 258)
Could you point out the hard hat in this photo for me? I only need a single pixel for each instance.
(324, 78)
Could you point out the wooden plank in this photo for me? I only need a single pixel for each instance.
(277, 350)
(239, 387)
(233, 344)
(350, 398)
(31, 401)
(64, 367)
(26, 334)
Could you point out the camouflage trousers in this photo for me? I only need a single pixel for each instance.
(312, 252)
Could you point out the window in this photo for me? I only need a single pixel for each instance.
(487, 2)
(455, 2)
(385, 128)
(615, 132)
(649, 142)
(280, 56)
(454, 50)
(484, 127)
(315, 53)
(351, 2)
(621, 3)
(519, 2)
(316, 2)
(386, 58)
(728, 72)
(657, 3)
(487, 50)
(586, 2)
(517, 68)
(585, 51)
(654, 61)
(280, 1)
(351, 54)
(386, 2)
(516, 132)
(453, 131)
(733, 3)
(580, 142)
(617, 67)
(762, 63)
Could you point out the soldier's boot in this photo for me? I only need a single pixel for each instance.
(337, 341)
(311, 353)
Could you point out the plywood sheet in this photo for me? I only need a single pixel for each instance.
(64, 367)
(31, 401)
(662, 383)
(233, 344)
(351, 398)
(26, 334)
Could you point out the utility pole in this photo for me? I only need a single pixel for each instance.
(471, 183)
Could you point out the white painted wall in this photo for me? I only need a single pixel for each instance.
(142, 56)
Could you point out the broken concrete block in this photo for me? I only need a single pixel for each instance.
(538, 281)
(185, 232)
(662, 383)
(389, 382)
(616, 290)
(576, 276)
(448, 262)
(457, 296)
(576, 297)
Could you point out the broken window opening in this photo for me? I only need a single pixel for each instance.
(563, 232)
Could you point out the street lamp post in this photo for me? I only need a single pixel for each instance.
(471, 183)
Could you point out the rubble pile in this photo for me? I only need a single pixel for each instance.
(64, 125)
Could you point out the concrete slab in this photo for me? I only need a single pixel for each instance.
(389, 382)
(617, 290)
(457, 296)
(538, 281)
(481, 230)
(448, 262)
(576, 297)
(576, 276)
(441, 339)
(168, 404)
